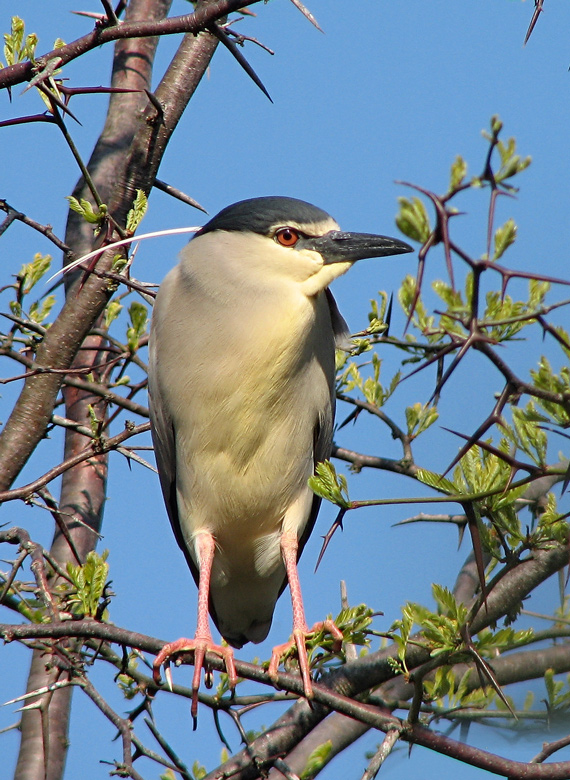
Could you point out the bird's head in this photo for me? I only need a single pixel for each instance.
(290, 238)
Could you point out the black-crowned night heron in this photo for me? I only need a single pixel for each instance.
(241, 383)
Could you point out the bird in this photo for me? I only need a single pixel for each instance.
(241, 382)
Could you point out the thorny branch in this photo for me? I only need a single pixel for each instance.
(193, 23)
(358, 675)
(13, 214)
(98, 447)
(460, 333)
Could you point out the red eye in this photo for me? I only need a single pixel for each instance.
(287, 236)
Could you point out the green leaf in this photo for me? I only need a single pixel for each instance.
(316, 760)
(489, 643)
(421, 319)
(452, 298)
(496, 124)
(112, 311)
(138, 314)
(13, 49)
(354, 623)
(458, 172)
(413, 219)
(89, 581)
(136, 214)
(378, 311)
(511, 163)
(87, 211)
(504, 237)
(537, 292)
(350, 378)
(437, 482)
(419, 417)
(530, 436)
(31, 273)
(38, 313)
(327, 484)
(404, 629)
(442, 685)
(546, 379)
(30, 47)
(371, 387)
(127, 684)
(198, 771)
(94, 421)
(552, 527)
(448, 605)
(558, 699)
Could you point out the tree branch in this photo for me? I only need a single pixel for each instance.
(193, 23)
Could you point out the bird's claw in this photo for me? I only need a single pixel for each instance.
(199, 646)
(298, 641)
(168, 675)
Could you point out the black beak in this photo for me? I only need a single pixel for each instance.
(339, 247)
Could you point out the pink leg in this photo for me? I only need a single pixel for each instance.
(202, 642)
(289, 546)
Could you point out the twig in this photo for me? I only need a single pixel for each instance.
(396, 431)
(360, 460)
(176, 760)
(122, 724)
(21, 537)
(381, 754)
(45, 230)
(102, 446)
(548, 748)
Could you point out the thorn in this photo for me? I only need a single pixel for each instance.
(307, 14)
(224, 38)
(537, 11)
(156, 103)
(50, 68)
(29, 707)
(90, 15)
(170, 190)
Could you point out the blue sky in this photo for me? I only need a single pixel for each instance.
(391, 91)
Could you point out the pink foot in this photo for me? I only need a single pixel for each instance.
(298, 641)
(200, 645)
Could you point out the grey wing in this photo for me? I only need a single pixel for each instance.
(323, 432)
(321, 451)
(340, 328)
(164, 441)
